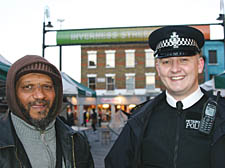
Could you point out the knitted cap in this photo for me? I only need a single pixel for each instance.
(39, 67)
(32, 64)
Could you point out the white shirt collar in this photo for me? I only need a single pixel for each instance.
(188, 101)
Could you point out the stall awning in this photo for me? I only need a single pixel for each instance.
(75, 87)
(220, 81)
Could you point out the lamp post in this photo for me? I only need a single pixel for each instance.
(49, 25)
(60, 47)
(221, 17)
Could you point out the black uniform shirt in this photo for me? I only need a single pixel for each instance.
(172, 139)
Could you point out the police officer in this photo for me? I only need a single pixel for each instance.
(165, 132)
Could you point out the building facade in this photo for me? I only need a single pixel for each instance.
(119, 65)
(213, 51)
(122, 75)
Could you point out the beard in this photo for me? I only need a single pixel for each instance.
(39, 124)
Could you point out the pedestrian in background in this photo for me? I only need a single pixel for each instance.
(84, 118)
(69, 116)
(93, 120)
(174, 129)
(100, 119)
(32, 135)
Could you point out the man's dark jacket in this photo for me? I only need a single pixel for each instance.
(126, 153)
(74, 147)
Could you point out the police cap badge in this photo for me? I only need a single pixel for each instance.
(172, 41)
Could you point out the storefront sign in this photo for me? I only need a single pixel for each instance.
(102, 36)
(112, 35)
(110, 100)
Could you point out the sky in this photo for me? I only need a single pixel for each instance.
(21, 22)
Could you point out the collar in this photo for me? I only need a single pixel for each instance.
(24, 129)
(188, 101)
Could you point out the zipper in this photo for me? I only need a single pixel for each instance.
(73, 151)
(177, 137)
(17, 158)
(48, 149)
(176, 141)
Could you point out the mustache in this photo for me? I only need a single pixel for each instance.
(38, 102)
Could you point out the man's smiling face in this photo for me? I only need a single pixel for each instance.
(36, 94)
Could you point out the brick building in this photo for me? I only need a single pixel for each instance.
(118, 64)
(122, 75)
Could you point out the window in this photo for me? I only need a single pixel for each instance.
(92, 81)
(110, 58)
(211, 76)
(150, 81)
(130, 82)
(110, 82)
(212, 57)
(92, 59)
(130, 58)
(149, 58)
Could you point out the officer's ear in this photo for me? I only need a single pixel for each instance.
(201, 64)
(157, 66)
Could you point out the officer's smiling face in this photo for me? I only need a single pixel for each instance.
(180, 74)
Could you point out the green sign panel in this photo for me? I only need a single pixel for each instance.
(103, 36)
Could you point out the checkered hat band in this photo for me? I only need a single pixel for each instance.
(176, 44)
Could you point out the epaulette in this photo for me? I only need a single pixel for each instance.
(137, 107)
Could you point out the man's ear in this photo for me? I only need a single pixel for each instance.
(201, 64)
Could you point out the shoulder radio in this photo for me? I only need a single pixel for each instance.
(208, 116)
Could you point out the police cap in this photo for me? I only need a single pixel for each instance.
(173, 41)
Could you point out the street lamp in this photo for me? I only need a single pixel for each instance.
(49, 25)
(221, 17)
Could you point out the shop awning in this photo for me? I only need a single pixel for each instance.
(210, 85)
(3, 71)
(69, 88)
(72, 87)
(4, 67)
(220, 81)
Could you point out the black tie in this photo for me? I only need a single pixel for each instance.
(179, 106)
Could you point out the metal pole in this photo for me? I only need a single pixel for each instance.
(224, 40)
(60, 58)
(43, 42)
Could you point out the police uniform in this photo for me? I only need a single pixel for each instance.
(164, 133)
(173, 139)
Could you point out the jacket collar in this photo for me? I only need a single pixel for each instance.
(6, 129)
(65, 135)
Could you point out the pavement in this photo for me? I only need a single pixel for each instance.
(101, 142)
